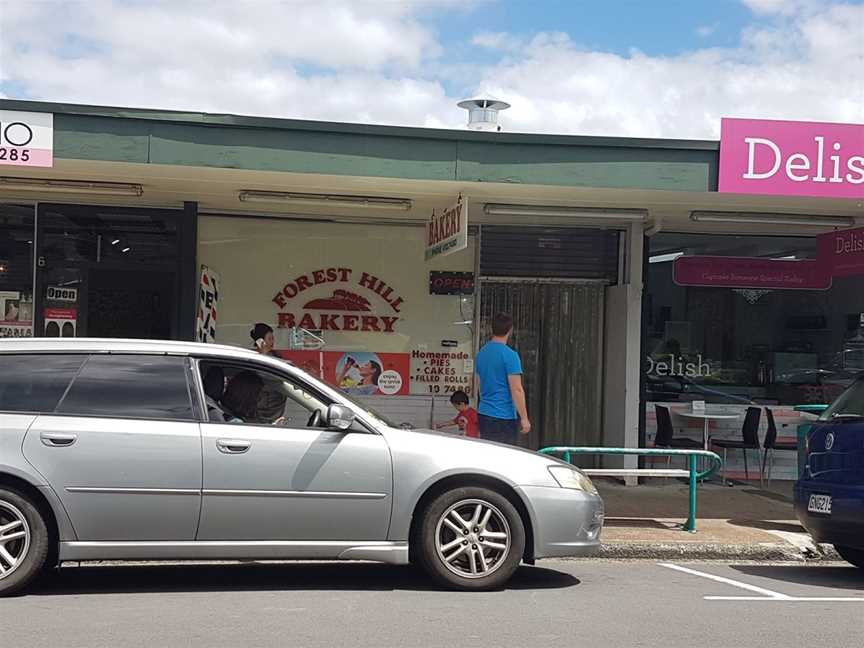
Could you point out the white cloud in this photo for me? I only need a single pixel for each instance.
(382, 62)
(706, 30)
(807, 67)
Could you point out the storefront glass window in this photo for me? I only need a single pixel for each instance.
(350, 303)
(16, 270)
(107, 272)
(737, 346)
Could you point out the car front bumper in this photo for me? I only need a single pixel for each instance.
(845, 525)
(566, 522)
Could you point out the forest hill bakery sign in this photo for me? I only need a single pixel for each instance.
(344, 304)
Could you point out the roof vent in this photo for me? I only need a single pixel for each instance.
(483, 112)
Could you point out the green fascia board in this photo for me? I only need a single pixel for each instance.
(78, 137)
(303, 152)
(590, 166)
(259, 143)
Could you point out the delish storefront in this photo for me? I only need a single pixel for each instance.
(770, 320)
(344, 238)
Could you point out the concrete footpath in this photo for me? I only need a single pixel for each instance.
(744, 521)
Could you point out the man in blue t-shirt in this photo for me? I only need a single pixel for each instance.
(502, 413)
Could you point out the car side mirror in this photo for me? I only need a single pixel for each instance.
(339, 417)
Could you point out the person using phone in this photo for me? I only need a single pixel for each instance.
(271, 402)
(263, 339)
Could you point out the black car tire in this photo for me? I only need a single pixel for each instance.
(34, 560)
(435, 566)
(850, 555)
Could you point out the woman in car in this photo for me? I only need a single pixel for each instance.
(240, 399)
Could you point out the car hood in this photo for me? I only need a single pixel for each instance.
(441, 453)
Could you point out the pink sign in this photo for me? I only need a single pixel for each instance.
(842, 252)
(745, 272)
(786, 158)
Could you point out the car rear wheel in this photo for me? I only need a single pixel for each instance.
(854, 556)
(23, 541)
(471, 538)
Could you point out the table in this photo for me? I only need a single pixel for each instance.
(706, 418)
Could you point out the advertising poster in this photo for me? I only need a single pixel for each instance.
(360, 373)
(16, 314)
(441, 372)
(208, 302)
(61, 322)
(61, 311)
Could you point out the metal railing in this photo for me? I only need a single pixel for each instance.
(692, 473)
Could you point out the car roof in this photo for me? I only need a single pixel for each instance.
(114, 345)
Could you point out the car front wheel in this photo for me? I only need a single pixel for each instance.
(472, 538)
(23, 541)
(854, 556)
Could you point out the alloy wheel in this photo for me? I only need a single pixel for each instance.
(472, 538)
(14, 539)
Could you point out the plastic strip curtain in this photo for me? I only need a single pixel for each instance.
(558, 335)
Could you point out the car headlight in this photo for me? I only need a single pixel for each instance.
(572, 478)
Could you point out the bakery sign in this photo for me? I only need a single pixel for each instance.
(338, 299)
(447, 232)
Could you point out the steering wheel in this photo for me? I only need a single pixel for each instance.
(316, 419)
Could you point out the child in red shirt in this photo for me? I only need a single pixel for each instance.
(466, 416)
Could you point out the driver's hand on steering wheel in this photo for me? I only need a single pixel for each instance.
(280, 421)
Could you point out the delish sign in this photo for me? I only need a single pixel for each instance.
(759, 156)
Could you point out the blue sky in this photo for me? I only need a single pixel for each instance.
(661, 27)
(614, 67)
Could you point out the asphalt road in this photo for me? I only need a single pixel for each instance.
(557, 604)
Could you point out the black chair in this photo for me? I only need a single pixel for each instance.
(771, 444)
(665, 434)
(749, 439)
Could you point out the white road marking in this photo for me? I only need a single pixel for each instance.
(767, 595)
(793, 599)
(728, 581)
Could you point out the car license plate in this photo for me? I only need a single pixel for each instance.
(819, 504)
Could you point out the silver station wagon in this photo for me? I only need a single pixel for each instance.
(146, 450)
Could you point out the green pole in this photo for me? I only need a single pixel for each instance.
(567, 457)
(691, 517)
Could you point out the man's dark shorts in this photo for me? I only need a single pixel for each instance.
(500, 430)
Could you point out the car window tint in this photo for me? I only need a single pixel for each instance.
(137, 386)
(35, 383)
(243, 393)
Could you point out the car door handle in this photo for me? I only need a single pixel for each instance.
(233, 446)
(58, 439)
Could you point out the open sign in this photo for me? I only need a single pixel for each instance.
(58, 293)
(451, 283)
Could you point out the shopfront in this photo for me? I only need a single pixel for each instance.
(343, 238)
(738, 320)
(71, 270)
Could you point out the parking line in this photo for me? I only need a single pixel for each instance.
(767, 595)
(728, 581)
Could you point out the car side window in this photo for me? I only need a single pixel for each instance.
(35, 382)
(131, 386)
(243, 393)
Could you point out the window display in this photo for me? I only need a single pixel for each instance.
(351, 304)
(775, 346)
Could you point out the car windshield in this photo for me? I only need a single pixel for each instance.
(850, 404)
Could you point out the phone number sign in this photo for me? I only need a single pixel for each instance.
(26, 138)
